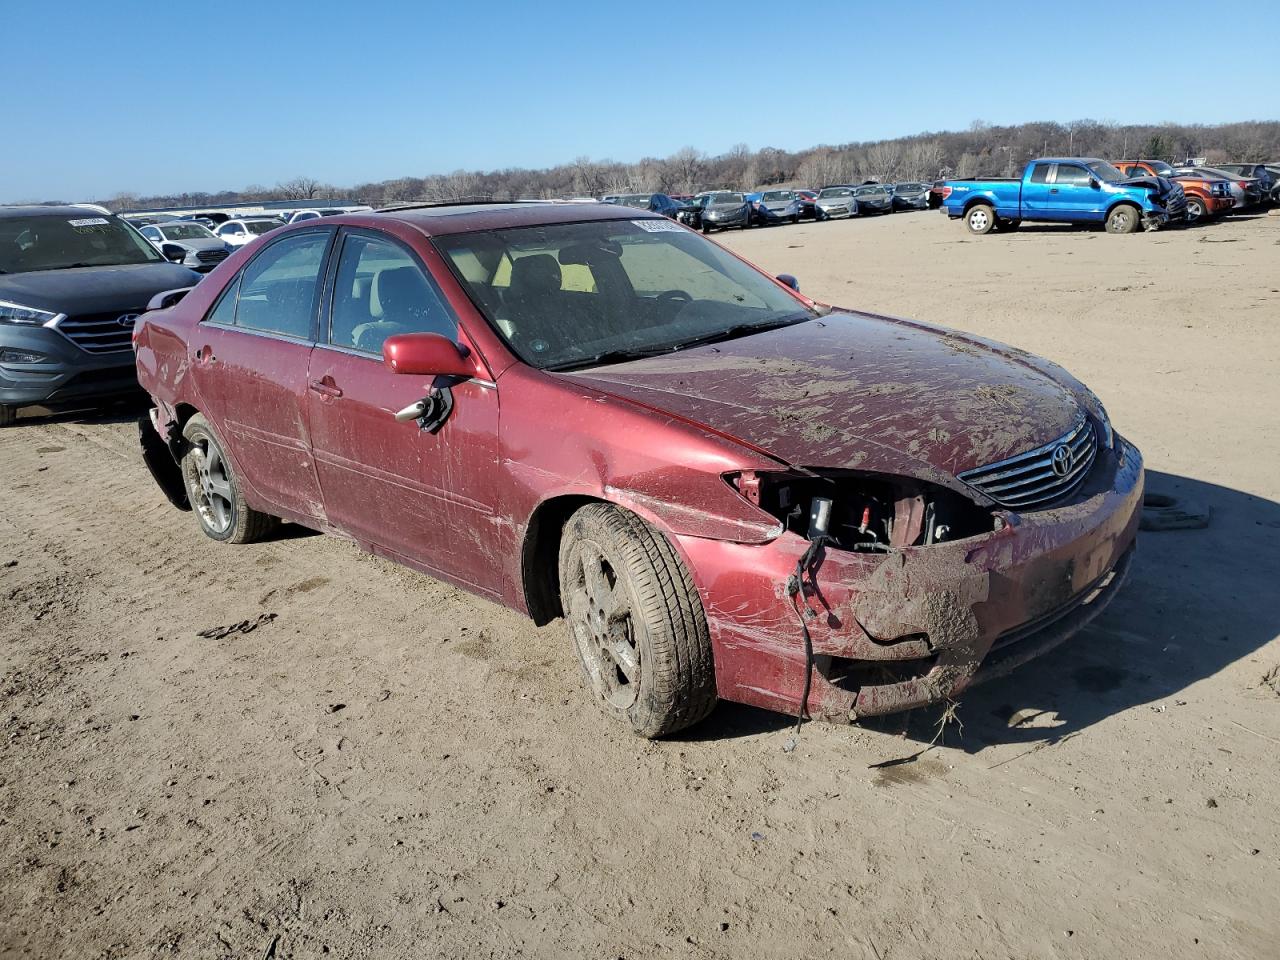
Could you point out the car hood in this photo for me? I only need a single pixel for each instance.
(832, 201)
(722, 207)
(858, 391)
(777, 204)
(94, 289)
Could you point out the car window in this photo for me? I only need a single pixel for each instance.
(381, 291)
(278, 287)
(1041, 173)
(151, 233)
(1071, 175)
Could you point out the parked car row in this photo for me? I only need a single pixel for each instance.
(1123, 197)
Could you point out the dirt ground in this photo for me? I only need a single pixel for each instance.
(387, 767)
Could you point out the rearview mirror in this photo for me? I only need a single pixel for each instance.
(426, 355)
(790, 281)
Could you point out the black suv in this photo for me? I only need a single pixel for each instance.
(72, 282)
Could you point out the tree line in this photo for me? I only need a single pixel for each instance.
(981, 149)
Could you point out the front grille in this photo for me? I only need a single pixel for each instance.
(1029, 479)
(100, 332)
(211, 256)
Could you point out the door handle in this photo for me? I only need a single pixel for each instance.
(1053, 190)
(329, 389)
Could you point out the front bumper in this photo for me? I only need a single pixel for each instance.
(836, 210)
(900, 630)
(68, 375)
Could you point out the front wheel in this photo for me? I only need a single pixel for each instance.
(214, 492)
(636, 621)
(1196, 210)
(8, 415)
(1123, 219)
(980, 219)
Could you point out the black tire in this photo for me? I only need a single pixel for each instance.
(647, 657)
(1124, 218)
(8, 415)
(795, 219)
(214, 491)
(1196, 210)
(980, 219)
(705, 228)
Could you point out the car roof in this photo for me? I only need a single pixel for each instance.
(1068, 160)
(37, 210)
(436, 221)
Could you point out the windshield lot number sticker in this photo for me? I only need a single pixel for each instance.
(89, 222)
(658, 226)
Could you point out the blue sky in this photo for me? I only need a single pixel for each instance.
(123, 96)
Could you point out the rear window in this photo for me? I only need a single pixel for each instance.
(30, 244)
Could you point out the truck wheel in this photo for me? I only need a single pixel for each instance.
(980, 219)
(636, 621)
(214, 492)
(1196, 210)
(8, 415)
(1124, 218)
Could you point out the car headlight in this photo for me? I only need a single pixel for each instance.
(16, 313)
(1104, 421)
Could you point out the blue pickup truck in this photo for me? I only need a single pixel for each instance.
(1066, 190)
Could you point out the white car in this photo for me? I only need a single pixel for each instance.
(239, 232)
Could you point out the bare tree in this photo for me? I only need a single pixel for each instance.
(299, 188)
(883, 161)
(685, 170)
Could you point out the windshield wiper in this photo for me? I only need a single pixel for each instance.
(741, 330)
(605, 358)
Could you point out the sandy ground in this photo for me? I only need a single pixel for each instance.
(391, 768)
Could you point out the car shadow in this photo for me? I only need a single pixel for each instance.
(123, 410)
(1197, 600)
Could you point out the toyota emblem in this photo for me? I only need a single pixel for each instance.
(1061, 460)
(127, 320)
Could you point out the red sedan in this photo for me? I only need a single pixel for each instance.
(725, 488)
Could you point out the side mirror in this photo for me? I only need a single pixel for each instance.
(173, 253)
(426, 355)
(790, 281)
(1093, 182)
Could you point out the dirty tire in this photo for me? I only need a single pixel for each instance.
(980, 219)
(214, 492)
(1196, 210)
(636, 621)
(8, 415)
(1124, 218)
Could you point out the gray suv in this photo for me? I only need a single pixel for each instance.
(72, 282)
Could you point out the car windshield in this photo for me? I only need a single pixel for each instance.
(777, 195)
(868, 191)
(260, 227)
(640, 200)
(76, 240)
(184, 231)
(1160, 168)
(909, 187)
(1105, 171)
(834, 193)
(574, 295)
(722, 198)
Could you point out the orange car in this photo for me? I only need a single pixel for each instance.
(1205, 198)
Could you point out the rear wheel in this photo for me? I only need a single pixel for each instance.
(1123, 219)
(636, 621)
(8, 415)
(980, 219)
(1196, 209)
(214, 492)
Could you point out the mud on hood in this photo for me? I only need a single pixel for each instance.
(857, 391)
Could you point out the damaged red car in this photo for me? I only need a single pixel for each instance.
(726, 489)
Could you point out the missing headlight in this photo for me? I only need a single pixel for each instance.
(863, 512)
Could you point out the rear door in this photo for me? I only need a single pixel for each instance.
(1076, 194)
(426, 499)
(1035, 192)
(250, 357)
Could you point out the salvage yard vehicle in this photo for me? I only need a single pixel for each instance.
(1206, 197)
(724, 210)
(238, 232)
(874, 198)
(836, 202)
(72, 282)
(910, 196)
(778, 206)
(1246, 191)
(1065, 190)
(188, 243)
(591, 412)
